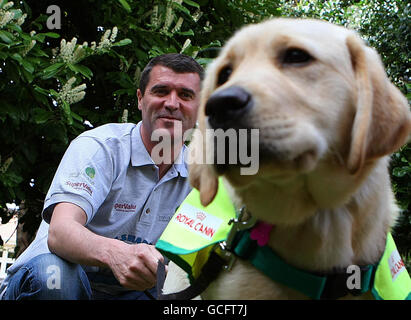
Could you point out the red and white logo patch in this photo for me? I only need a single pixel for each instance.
(196, 221)
(396, 264)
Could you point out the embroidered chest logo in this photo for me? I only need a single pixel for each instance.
(196, 221)
(125, 207)
(90, 172)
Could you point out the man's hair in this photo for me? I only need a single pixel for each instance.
(179, 63)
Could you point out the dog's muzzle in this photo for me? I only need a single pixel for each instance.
(226, 108)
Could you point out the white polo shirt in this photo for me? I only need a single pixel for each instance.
(108, 172)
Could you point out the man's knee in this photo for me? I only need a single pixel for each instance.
(48, 276)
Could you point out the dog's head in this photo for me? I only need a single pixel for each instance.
(314, 91)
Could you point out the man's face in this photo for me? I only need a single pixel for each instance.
(170, 101)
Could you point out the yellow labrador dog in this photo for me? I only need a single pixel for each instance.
(328, 117)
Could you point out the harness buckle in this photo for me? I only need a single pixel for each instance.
(226, 246)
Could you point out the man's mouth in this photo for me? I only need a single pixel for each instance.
(169, 118)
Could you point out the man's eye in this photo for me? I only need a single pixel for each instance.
(186, 95)
(160, 92)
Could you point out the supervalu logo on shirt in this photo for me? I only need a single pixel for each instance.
(80, 186)
(125, 207)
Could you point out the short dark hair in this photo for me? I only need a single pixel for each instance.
(179, 63)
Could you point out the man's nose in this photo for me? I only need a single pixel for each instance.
(172, 102)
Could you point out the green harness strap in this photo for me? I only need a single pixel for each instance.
(314, 286)
(388, 279)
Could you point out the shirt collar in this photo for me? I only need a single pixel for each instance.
(180, 164)
(141, 157)
(139, 153)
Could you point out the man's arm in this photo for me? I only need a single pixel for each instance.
(134, 266)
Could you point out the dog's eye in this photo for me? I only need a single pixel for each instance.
(224, 75)
(296, 56)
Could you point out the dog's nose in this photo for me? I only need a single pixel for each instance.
(227, 106)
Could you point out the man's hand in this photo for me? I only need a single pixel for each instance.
(135, 265)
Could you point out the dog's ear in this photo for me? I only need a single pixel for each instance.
(203, 178)
(382, 121)
(202, 175)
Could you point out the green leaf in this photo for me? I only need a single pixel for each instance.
(41, 90)
(66, 107)
(57, 131)
(204, 61)
(131, 92)
(181, 8)
(76, 116)
(78, 68)
(52, 70)
(28, 75)
(7, 37)
(10, 179)
(17, 57)
(401, 171)
(186, 33)
(125, 5)
(53, 67)
(41, 116)
(67, 111)
(41, 98)
(52, 35)
(54, 93)
(123, 42)
(37, 52)
(15, 27)
(192, 3)
(27, 66)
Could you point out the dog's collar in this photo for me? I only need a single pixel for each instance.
(248, 241)
(332, 285)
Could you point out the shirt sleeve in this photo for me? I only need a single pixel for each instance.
(83, 177)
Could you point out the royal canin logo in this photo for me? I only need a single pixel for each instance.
(201, 216)
(195, 225)
(125, 207)
(396, 264)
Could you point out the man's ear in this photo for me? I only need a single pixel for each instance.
(382, 121)
(139, 98)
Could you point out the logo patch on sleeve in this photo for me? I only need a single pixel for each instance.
(90, 172)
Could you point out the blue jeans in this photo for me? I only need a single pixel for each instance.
(49, 277)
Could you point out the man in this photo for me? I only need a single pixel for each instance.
(110, 201)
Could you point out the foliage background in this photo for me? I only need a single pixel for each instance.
(41, 111)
